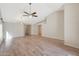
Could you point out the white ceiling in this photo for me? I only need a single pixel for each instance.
(12, 12)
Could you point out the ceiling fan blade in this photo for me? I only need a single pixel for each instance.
(26, 12)
(34, 13)
(25, 15)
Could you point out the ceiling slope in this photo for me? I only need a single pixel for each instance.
(12, 12)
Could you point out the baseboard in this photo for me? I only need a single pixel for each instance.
(69, 44)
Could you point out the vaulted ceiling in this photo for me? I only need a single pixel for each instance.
(12, 12)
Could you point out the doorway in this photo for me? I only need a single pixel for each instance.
(39, 30)
(27, 30)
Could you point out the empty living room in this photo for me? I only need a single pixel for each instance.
(39, 29)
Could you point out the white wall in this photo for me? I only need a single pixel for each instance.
(14, 29)
(71, 13)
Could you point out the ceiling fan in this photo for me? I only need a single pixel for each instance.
(29, 13)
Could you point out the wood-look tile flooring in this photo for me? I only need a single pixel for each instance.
(39, 46)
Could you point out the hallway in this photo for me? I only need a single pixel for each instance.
(39, 46)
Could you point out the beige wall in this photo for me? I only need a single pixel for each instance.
(60, 26)
(54, 28)
(34, 30)
(63, 25)
(14, 29)
(1, 33)
(71, 13)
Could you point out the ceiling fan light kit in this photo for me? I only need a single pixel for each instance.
(30, 14)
